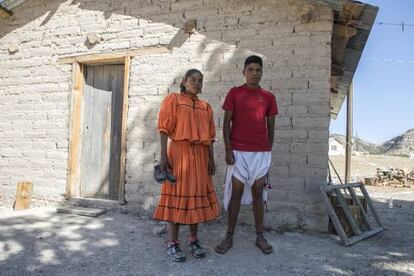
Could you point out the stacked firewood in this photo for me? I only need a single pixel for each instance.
(397, 177)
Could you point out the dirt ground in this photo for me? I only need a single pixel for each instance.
(42, 242)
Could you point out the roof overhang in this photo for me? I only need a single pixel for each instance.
(5, 12)
(353, 22)
(7, 7)
(352, 27)
(336, 5)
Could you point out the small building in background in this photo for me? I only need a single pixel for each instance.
(336, 147)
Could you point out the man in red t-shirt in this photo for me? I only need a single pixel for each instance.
(248, 130)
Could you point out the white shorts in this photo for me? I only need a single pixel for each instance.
(248, 167)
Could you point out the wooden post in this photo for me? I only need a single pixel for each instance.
(348, 149)
(23, 196)
(5, 12)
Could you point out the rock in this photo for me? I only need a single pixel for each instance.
(159, 230)
(93, 38)
(13, 47)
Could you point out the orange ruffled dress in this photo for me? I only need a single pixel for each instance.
(189, 124)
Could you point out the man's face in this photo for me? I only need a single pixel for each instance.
(253, 73)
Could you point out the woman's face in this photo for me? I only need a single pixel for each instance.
(193, 84)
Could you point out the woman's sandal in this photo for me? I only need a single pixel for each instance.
(262, 244)
(226, 244)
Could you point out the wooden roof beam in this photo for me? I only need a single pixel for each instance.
(341, 36)
(351, 11)
(113, 57)
(337, 70)
(345, 31)
(5, 12)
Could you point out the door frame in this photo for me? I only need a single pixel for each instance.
(76, 110)
(76, 118)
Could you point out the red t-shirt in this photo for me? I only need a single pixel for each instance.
(250, 108)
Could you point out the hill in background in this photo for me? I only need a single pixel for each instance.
(402, 145)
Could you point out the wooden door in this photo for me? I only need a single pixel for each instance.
(101, 131)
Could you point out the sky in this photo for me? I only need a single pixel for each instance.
(384, 81)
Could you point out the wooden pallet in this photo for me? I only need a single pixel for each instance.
(373, 228)
(356, 212)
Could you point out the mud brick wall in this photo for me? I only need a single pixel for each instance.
(36, 90)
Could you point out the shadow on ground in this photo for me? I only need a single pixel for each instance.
(41, 241)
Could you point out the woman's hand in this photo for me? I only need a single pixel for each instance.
(164, 163)
(211, 167)
(230, 160)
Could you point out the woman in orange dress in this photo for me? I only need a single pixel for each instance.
(188, 123)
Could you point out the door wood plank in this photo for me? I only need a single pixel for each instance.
(101, 146)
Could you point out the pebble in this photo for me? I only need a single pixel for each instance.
(159, 230)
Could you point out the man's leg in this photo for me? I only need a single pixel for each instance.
(258, 205)
(234, 208)
(258, 210)
(234, 205)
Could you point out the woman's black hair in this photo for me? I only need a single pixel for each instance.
(188, 74)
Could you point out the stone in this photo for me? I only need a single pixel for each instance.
(13, 47)
(93, 38)
(159, 230)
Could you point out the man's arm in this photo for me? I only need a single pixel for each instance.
(228, 115)
(271, 129)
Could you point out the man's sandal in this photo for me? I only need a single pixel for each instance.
(262, 244)
(196, 250)
(226, 244)
(175, 253)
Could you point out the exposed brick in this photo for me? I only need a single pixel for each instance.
(291, 134)
(318, 160)
(319, 26)
(311, 122)
(307, 171)
(316, 135)
(309, 148)
(287, 159)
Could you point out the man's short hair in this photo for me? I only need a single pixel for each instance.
(253, 59)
